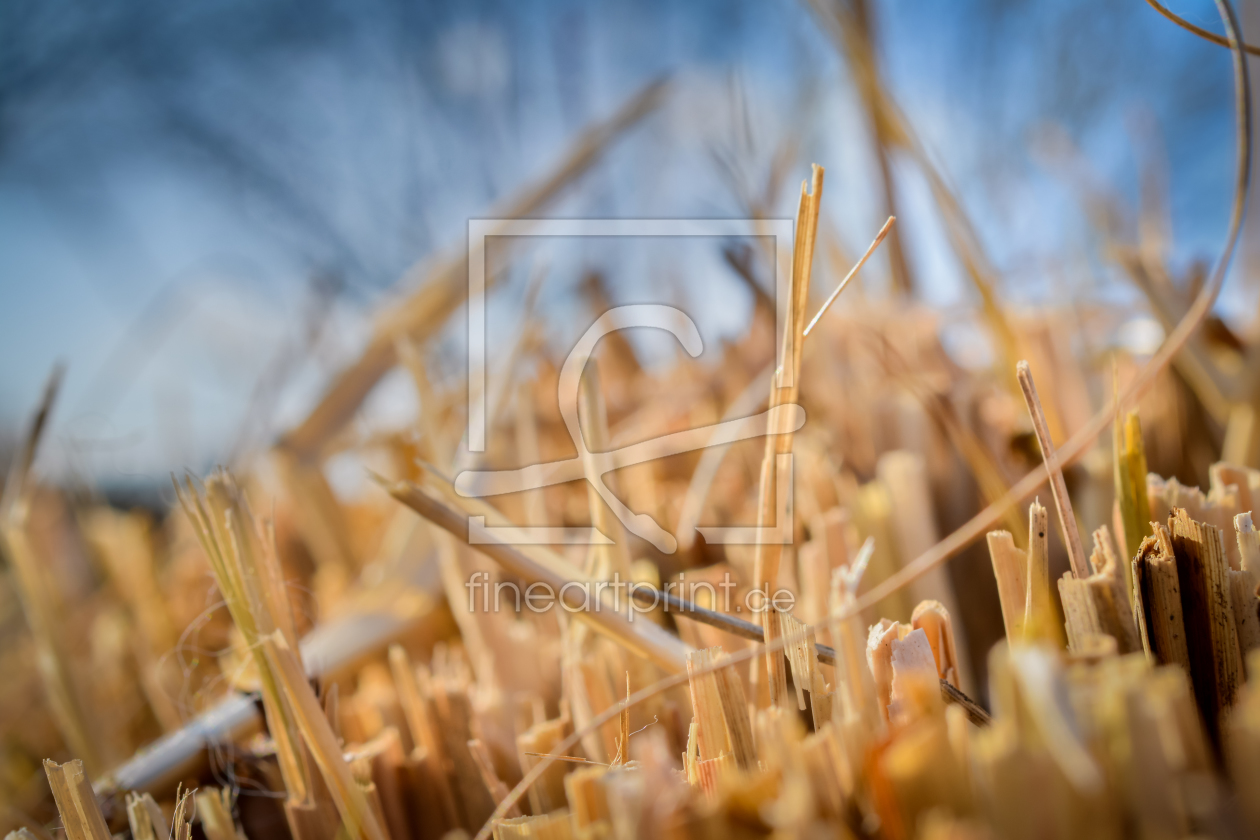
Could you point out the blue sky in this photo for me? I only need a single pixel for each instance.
(173, 177)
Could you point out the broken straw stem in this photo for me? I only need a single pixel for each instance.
(879, 237)
(753, 632)
(1058, 487)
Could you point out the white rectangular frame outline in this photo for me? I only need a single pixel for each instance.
(780, 533)
(480, 229)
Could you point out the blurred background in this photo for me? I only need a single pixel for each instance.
(242, 230)
(203, 205)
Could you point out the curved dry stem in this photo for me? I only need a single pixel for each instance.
(1080, 442)
(979, 524)
(1197, 30)
(989, 478)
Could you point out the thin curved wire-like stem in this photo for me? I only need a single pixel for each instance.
(981, 522)
(822, 310)
(1197, 30)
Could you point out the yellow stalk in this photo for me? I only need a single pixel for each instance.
(356, 813)
(1130, 474)
(225, 529)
